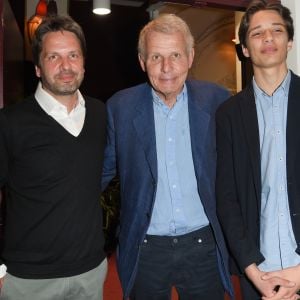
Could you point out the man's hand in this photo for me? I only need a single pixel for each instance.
(3, 270)
(291, 274)
(267, 285)
(1, 282)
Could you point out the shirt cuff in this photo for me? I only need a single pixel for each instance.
(3, 269)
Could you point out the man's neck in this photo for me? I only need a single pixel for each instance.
(69, 102)
(269, 79)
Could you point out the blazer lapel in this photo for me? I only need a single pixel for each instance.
(145, 129)
(250, 123)
(293, 120)
(199, 122)
(292, 153)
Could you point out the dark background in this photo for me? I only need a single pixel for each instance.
(111, 62)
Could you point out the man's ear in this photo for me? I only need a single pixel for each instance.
(245, 51)
(290, 45)
(142, 62)
(191, 57)
(37, 71)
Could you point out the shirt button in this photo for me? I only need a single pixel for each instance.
(174, 186)
(170, 139)
(177, 210)
(199, 241)
(175, 240)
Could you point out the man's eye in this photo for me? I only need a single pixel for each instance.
(278, 30)
(74, 56)
(256, 34)
(175, 56)
(52, 57)
(155, 57)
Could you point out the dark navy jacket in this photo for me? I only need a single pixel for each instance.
(131, 152)
(239, 175)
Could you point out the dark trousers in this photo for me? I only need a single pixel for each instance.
(249, 292)
(187, 262)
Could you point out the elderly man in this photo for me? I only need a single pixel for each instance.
(161, 142)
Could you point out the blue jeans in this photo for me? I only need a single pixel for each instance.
(187, 262)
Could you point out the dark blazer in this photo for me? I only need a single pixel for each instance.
(238, 184)
(131, 150)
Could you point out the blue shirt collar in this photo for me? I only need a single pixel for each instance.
(181, 97)
(285, 86)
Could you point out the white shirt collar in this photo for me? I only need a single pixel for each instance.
(49, 103)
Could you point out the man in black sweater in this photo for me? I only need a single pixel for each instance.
(51, 150)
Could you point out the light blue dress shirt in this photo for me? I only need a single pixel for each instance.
(277, 241)
(177, 209)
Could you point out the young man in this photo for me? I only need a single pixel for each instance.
(258, 169)
(161, 139)
(51, 151)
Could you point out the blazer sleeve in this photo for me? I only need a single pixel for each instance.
(110, 159)
(242, 245)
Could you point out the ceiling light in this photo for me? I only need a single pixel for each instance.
(101, 7)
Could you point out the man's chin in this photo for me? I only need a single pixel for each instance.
(67, 90)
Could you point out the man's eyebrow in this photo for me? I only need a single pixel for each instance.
(260, 26)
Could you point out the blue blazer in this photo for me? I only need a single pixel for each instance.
(131, 152)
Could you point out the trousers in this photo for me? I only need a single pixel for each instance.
(187, 262)
(86, 286)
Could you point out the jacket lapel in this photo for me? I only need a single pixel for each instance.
(292, 154)
(199, 122)
(250, 124)
(293, 121)
(145, 129)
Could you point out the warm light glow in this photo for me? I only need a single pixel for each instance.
(101, 7)
(41, 8)
(32, 25)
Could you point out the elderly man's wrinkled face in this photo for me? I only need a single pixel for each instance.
(167, 63)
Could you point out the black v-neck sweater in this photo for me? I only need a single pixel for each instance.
(53, 221)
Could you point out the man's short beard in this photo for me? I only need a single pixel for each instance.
(62, 90)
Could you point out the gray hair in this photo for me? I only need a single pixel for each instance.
(166, 23)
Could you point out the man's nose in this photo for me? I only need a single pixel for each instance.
(166, 65)
(65, 63)
(268, 35)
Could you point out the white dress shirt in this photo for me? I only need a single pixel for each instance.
(73, 121)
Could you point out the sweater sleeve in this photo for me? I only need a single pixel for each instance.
(3, 169)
